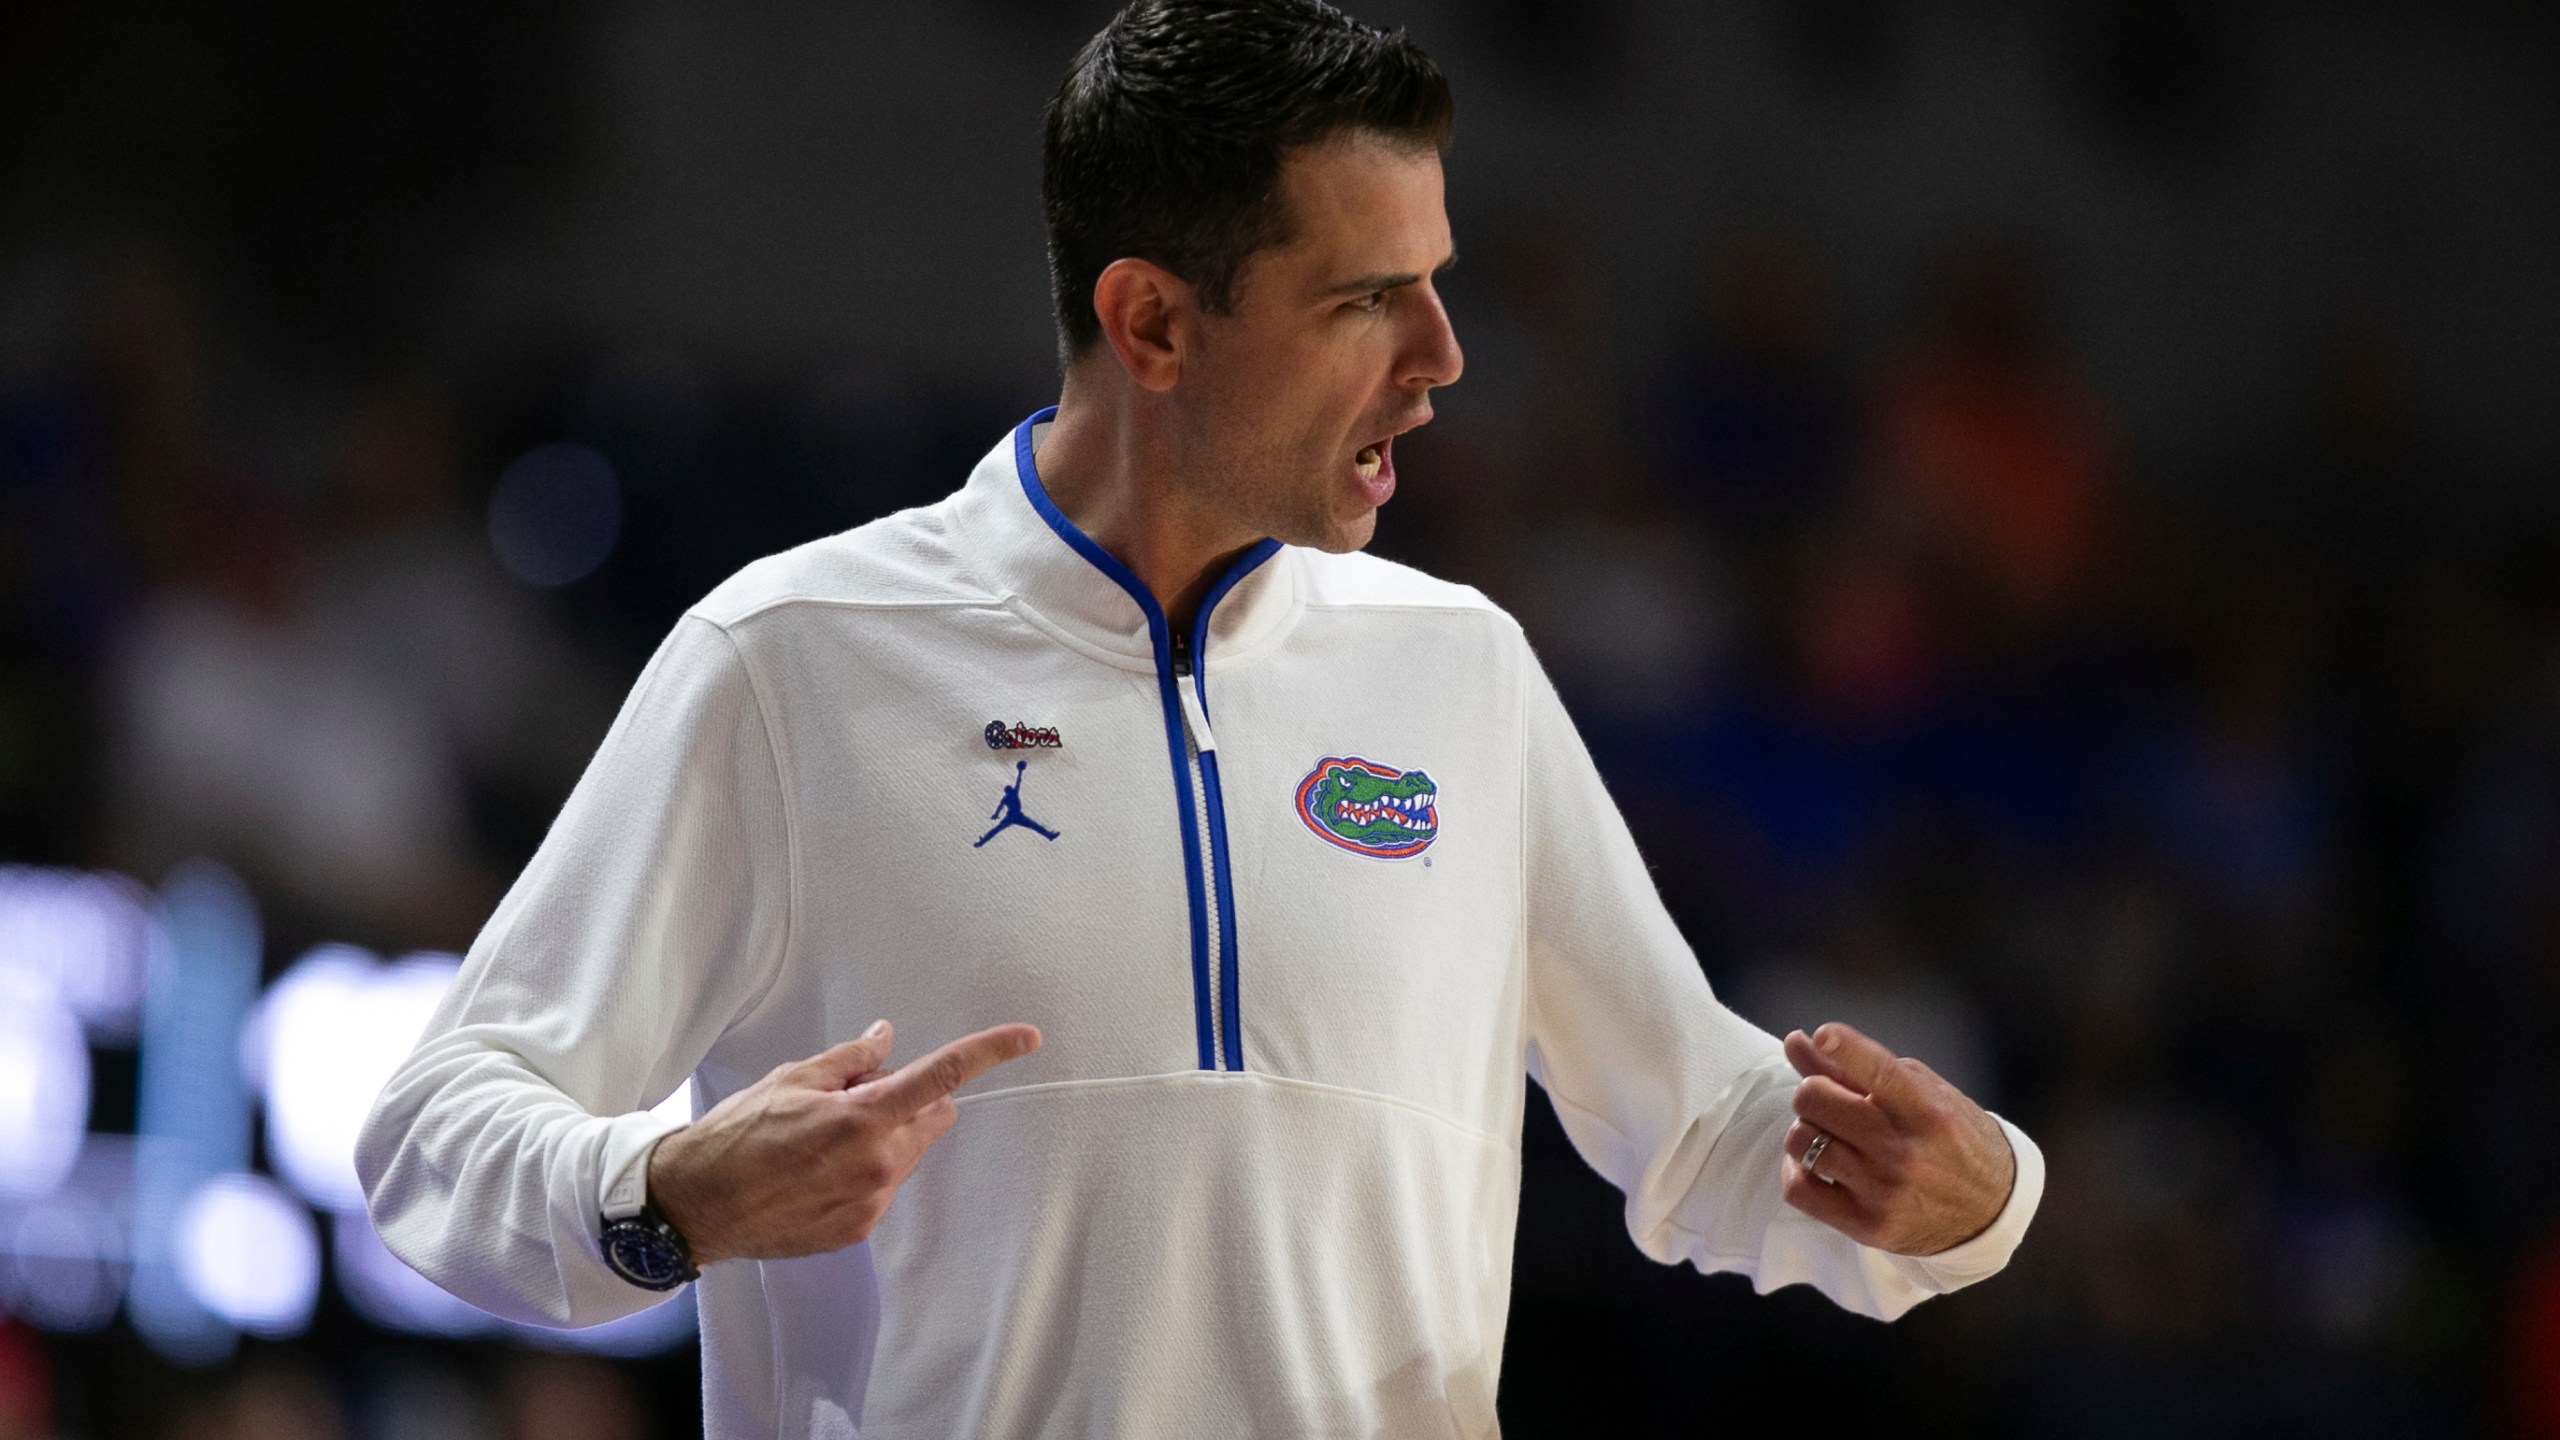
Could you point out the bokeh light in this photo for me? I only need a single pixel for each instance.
(85, 933)
(321, 1045)
(63, 1266)
(247, 1252)
(555, 514)
(44, 1085)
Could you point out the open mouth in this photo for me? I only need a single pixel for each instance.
(1373, 466)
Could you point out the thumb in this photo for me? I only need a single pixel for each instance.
(1810, 1062)
(841, 1066)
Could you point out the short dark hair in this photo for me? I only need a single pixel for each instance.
(1166, 139)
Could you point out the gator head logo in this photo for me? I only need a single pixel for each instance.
(1370, 809)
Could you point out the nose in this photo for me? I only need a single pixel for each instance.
(1432, 358)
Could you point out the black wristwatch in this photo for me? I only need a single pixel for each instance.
(647, 1251)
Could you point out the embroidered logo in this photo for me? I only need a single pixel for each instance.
(1370, 809)
(1019, 736)
(1008, 812)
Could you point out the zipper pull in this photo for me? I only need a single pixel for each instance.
(1195, 716)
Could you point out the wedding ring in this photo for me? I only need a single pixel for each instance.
(1813, 1157)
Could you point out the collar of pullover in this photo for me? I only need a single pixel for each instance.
(1028, 551)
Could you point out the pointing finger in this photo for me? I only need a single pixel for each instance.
(850, 1063)
(918, 1085)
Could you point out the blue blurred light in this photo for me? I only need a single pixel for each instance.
(193, 1114)
(44, 1085)
(169, 1219)
(85, 935)
(320, 1047)
(64, 1269)
(555, 514)
(246, 1251)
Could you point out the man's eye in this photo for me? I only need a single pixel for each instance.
(1371, 303)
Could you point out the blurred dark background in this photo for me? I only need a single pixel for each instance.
(2044, 513)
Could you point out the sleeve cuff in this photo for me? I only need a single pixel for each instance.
(628, 1142)
(1988, 1253)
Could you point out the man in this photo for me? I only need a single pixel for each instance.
(1320, 870)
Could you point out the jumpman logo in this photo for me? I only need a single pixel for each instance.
(1009, 811)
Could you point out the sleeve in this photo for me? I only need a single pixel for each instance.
(657, 910)
(1678, 1101)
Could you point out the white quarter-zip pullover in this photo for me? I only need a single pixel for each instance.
(1297, 899)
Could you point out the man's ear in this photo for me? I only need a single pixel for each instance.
(1140, 305)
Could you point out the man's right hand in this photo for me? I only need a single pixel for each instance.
(807, 1159)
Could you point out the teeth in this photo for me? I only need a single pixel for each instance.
(1369, 462)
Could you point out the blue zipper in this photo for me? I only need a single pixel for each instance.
(1220, 1036)
(1231, 1015)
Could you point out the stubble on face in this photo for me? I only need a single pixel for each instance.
(1275, 478)
(1289, 386)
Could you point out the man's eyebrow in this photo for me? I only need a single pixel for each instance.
(1371, 284)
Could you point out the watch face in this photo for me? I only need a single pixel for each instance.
(644, 1257)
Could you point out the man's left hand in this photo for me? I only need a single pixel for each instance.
(1912, 1167)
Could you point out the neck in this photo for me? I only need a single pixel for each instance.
(1114, 467)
